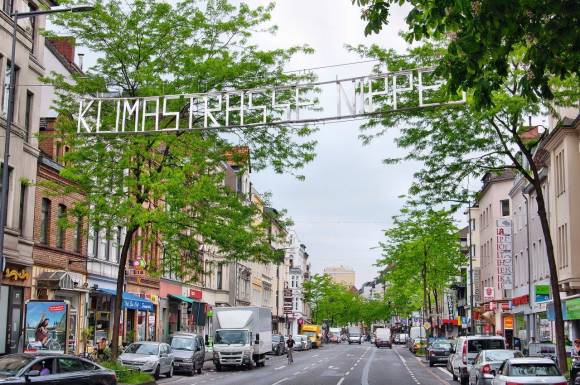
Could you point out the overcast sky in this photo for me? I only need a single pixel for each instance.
(349, 196)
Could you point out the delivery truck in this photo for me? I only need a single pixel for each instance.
(242, 336)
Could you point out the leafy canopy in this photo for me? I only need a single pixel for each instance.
(484, 35)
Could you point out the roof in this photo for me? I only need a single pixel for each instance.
(71, 67)
(531, 360)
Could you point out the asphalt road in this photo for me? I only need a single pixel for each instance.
(331, 365)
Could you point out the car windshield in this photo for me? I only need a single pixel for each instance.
(442, 345)
(182, 343)
(146, 349)
(310, 334)
(230, 337)
(476, 346)
(275, 338)
(533, 370)
(11, 365)
(501, 355)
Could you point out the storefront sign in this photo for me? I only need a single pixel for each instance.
(476, 286)
(46, 326)
(505, 306)
(488, 294)
(16, 275)
(195, 294)
(504, 253)
(508, 322)
(521, 300)
(542, 293)
(573, 309)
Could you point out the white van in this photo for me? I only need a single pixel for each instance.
(383, 338)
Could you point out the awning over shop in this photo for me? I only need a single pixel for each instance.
(56, 280)
(131, 301)
(182, 298)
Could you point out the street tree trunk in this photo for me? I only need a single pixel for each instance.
(119, 296)
(554, 284)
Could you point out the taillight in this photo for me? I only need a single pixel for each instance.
(486, 369)
(465, 352)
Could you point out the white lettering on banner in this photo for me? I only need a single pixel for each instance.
(504, 253)
(362, 96)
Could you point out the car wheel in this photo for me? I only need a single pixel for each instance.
(464, 381)
(170, 372)
(156, 373)
(218, 368)
(199, 369)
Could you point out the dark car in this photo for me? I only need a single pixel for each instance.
(278, 344)
(53, 369)
(188, 351)
(438, 352)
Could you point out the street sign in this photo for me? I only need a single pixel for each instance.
(355, 97)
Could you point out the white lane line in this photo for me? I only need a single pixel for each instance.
(340, 381)
(346, 374)
(445, 371)
(351, 368)
(281, 381)
(315, 355)
(280, 367)
(365, 374)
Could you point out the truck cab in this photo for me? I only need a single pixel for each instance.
(314, 334)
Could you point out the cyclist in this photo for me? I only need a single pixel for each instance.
(290, 344)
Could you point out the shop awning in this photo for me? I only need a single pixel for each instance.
(131, 301)
(56, 280)
(183, 298)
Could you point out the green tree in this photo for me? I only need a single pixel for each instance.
(166, 189)
(485, 34)
(465, 141)
(421, 257)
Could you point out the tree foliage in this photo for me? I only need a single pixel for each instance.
(421, 257)
(467, 141)
(339, 305)
(484, 36)
(166, 190)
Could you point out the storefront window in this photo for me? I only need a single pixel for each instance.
(151, 332)
(141, 321)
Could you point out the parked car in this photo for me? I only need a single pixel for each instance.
(488, 361)
(397, 338)
(188, 351)
(403, 337)
(300, 342)
(54, 369)
(542, 349)
(306, 342)
(334, 335)
(438, 352)
(529, 370)
(151, 357)
(278, 344)
(466, 349)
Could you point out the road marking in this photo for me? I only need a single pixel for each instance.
(418, 359)
(281, 381)
(315, 355)
(347, 373)
(280, 367)
(340, 381)
(445, 371)
(365, 374)
(352, 368)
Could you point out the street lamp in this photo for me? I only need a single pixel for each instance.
(11, 88)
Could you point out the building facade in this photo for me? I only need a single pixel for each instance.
(341, 275)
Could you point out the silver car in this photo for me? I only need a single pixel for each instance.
(488, 361)
(151, 357)
(529, 370)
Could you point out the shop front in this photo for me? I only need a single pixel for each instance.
(14, 292)
(59, 285)
(171, 308)
(197, 310)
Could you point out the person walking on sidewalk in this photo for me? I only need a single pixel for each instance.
(290, 344)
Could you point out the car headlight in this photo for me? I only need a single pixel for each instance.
(216, 355)
(149, 364)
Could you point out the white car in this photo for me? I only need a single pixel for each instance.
(529, 370)
(152, 357)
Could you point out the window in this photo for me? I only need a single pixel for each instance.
(44, 220)
(58, 154)
(219, 277)
(28, 116)
(95, 243)
(119, 244)
(472, 224)
(5, 99)
(505, 207)
(70, 365)
(563, 246)
(78, 234)
(61, 226)
(108, 245)
(23, 193)
(560, 174)
(7, 6)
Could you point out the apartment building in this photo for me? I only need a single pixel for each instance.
(298, 272)
(474, 251)
(342, 275)
(18, 241)
(495, 251)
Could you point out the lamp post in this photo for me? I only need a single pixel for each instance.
(10, 118)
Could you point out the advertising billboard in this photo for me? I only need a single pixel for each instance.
(45, 326)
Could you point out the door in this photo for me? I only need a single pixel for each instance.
(71, 370)
(13, 333)
(199, 352)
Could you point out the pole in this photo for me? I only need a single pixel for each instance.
(471, 320)
(531, 326)
(5, 166)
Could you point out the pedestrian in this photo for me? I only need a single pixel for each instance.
(290, 344)
(576, 350)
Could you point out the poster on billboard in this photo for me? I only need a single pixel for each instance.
(46, 326)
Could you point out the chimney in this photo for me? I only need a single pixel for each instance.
(66, 46)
